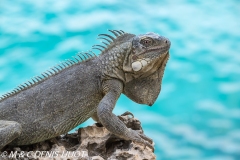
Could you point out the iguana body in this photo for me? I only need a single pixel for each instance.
(74, 91)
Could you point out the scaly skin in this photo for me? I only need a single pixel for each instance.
(53, 104)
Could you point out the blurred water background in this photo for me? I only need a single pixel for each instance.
(196, 116)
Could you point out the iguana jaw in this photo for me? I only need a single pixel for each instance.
(151, 61)
(157, 64)
(163, 60)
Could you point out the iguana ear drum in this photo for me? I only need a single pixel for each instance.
(138, 65)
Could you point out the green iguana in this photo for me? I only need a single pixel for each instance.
(70, 93)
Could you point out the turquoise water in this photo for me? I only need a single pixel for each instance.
(196, 116)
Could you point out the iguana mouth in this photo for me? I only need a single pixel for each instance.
(162, 49)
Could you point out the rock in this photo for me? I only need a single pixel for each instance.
(92, 142)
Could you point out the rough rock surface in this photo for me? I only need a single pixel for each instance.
(89, 143)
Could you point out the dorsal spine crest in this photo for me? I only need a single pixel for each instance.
(79, 58)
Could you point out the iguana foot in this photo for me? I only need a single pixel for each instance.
(145, 137)
(138, 137)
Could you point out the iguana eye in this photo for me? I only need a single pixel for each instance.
(146, 42)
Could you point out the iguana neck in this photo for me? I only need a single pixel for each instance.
(112, 62)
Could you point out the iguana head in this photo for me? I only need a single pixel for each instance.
(148, 52)
(144, 66)
(138, 61)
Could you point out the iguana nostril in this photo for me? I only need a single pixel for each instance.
(167, 41)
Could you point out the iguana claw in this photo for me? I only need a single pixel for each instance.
(143, 136)
(143, 139)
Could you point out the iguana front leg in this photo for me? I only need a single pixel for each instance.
(112, 90)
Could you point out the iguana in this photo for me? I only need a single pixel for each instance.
(70, 93)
